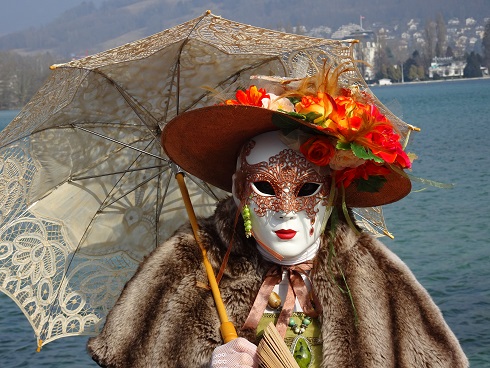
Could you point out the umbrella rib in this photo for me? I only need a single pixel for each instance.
(115, 173)
(204, 186)
(119, 142)
(138, 110)
(127, 171)
(177, 67)
(232, 76)
(382, 228)
(160, 204)
(167, 186)
(130, 191)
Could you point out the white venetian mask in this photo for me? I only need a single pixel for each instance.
(286, 195)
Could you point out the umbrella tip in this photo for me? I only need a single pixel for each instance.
(388, 234)
(208, 12)
(39, 345)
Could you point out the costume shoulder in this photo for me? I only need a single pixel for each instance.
(419, 324)
(149, 302)
(165, 315)
(398, 324)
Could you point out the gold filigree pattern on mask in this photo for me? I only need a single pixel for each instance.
(286, 172)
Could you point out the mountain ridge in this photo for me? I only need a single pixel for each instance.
(88, 28)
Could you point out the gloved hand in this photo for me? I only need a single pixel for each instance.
(237, 353)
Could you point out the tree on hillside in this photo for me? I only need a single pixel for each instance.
(441, 33)
(381, 61)
(387, 65)
(449, 52)
(430, 37)
(413, 67)
(21, 76)
(486, 46)
(473, 66)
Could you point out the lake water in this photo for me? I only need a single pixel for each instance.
(442, 234)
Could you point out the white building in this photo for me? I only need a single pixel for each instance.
(446, 67)
(365, 50)
(385, 82)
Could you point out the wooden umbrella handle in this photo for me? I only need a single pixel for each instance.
(227, 328)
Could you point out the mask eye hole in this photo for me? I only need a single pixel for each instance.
(309, 189)
(264, 188)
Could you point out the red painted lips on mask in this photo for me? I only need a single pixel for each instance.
(285, 234)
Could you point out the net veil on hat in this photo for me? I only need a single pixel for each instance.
(334, 126)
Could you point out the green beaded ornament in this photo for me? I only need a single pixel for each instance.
(300, 348)
(246, 221)
(299, 329)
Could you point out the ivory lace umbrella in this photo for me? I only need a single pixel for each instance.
(86, 191)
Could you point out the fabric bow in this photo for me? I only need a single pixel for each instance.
(296, 289)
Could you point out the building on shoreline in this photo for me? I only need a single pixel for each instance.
(446, 67)
(366, 49)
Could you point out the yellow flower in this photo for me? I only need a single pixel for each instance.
(320, 104)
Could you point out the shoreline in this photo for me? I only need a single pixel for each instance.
(428, 81)
(379, 85)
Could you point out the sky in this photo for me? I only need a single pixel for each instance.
(17, 15)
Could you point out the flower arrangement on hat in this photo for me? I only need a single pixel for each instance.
(345, 130)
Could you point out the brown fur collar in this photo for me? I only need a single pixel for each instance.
(163, 318)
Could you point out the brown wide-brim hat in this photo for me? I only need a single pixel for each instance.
(206, 143)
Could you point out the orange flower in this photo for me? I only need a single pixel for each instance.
(348, 117)
(365, 125)
(318, 150)
(347, 103)
(359, 140)
(321, 104)
(252, 96)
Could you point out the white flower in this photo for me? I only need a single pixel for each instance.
(275, 103)
(343, 159)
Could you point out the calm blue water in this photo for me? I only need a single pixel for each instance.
(442, 234)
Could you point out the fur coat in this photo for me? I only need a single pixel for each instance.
(165, 318)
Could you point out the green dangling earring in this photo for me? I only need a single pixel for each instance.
(246, 220)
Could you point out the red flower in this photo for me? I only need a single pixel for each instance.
(318, 150)
(385, 144)
(365, 125)
(251, 96)
(370, 168)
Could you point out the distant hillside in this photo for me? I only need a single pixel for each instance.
(87, 29)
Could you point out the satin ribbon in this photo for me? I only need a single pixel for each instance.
(296, 289)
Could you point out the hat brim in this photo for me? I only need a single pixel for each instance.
(206, 143)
